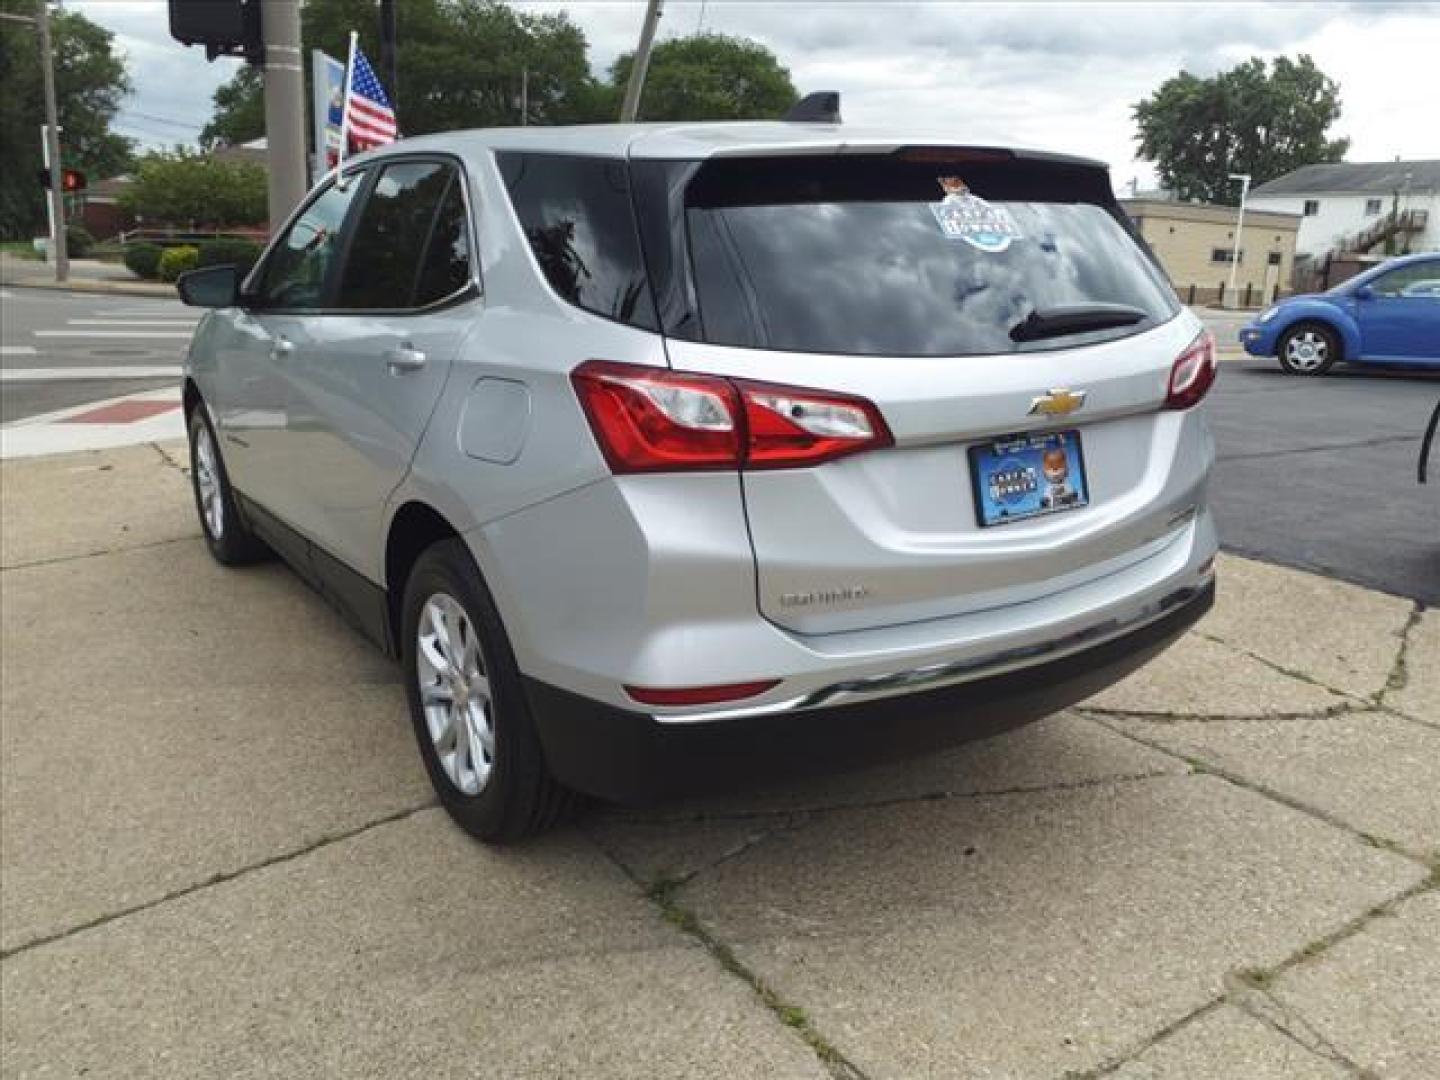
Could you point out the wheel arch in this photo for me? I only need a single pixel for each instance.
(414, 527)
(1332, 319)
(190, 397)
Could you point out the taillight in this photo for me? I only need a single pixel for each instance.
(1192, 374)
(656, 420)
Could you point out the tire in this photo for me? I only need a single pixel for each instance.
(484, 756)
(1308, 348)
(226, 535)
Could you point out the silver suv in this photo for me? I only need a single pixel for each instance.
(660, 454)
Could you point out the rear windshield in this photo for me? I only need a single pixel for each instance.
(887, 256)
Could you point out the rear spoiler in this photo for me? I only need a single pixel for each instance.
(818, 108)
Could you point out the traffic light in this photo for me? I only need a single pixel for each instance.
(224, 27)
(71, 180)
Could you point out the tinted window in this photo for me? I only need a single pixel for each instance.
(446, 266)
(858, 256)
(576, 214)
(390, 235)
(295, 273)
(1417, 279)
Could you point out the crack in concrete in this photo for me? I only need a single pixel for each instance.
(1152, 717)
(1200, 765)
(182, 466)
(215, 879)
(1379, 440)
(1111, 1064)
(1399, 675)
(98, 554)
(701, 817)
(1254, 1000)
(1293, 673)
(661, 892)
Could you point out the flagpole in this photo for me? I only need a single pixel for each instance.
(345, 110)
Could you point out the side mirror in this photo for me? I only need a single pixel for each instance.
(1364, 292)
(213, 287)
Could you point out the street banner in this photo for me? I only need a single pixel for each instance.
(327, 108)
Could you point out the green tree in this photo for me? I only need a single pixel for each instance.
(1250, 119)
(239, 110)
(707, 77)
(190, 190)
(90, 80)
(461, 64)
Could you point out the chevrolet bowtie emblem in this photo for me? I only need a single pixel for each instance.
(1057, 403)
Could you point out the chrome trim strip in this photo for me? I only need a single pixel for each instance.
(936, 676)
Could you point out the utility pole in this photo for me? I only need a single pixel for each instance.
(631, 107)
(388, 61)
(59, 253)
(524, 97)
(1244, 179)
(284, 106)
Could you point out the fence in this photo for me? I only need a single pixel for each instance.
(1214, 296)
(172, 237)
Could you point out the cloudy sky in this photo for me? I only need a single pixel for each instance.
(1059, 76)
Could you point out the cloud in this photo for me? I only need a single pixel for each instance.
(1055, 75)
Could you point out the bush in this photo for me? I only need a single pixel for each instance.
(241, 254)
(143, 260)
(176, 261)
(78, 240)
(192, 190)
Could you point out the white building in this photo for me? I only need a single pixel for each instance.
(1347, 207)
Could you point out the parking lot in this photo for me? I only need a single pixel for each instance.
(221, 855)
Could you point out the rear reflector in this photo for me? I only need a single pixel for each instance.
(657, 420)
(1192, 374)
(699, 695)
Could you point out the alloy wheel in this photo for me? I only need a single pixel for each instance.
(207, 482)
(1307, 351)
(455, 693)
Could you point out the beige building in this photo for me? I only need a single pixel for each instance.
(1194, 242)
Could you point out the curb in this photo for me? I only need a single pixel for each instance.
(94, 285)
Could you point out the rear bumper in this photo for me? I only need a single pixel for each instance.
(627, 756)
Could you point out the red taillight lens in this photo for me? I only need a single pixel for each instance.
(787, 427)
(699, 695)
(1192, 374)
(656, 420)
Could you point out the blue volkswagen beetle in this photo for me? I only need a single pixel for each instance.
(1388, 315)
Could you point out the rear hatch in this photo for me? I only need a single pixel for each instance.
(1015, 336)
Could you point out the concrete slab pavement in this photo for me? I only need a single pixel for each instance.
(220, 856)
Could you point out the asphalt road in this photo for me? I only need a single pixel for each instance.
(1319, 473)
(62, 349)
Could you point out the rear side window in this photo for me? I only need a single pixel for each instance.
(887, 256)
(388, 265)
(576, 213)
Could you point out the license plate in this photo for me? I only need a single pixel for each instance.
(1028, 476)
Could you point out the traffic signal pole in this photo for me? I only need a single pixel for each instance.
(58, 251)
(284, 106)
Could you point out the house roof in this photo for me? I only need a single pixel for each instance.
(1356, 177)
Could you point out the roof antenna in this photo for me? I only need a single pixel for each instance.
(818, 108)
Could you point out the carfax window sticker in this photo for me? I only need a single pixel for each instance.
(964, 216)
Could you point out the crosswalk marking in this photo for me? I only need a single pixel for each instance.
(152, 371)
(17, 350)
(123, 323)
(181, 334)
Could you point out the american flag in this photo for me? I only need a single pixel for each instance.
(368, 115)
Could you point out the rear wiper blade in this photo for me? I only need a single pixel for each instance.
(1076, 319)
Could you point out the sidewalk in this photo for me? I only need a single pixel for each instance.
(221, 856)
(86, 276)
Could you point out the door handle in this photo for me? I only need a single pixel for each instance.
(403, 359)
(281, 348)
